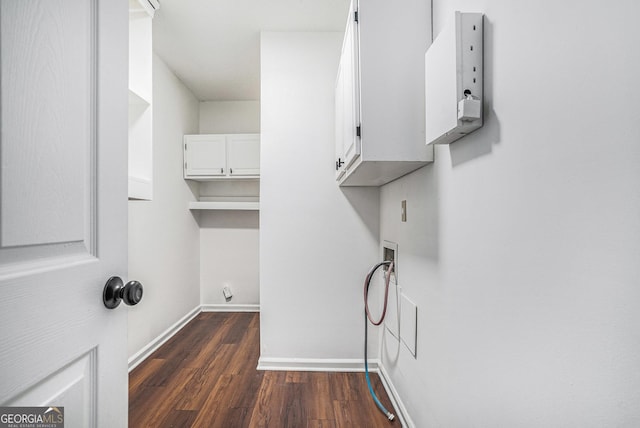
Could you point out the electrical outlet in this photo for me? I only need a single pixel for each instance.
(471, 52)
(226, 291)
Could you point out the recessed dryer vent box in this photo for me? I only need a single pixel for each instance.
(453, 86)
(390, 252)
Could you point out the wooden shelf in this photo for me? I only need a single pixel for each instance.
(225, 205)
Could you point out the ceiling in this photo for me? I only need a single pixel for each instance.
(213, 46)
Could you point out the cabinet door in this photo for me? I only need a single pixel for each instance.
(244, 155)
(339, 122)
(350, 90)
(205, 155)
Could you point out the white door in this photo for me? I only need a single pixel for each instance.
(63, 206)
(244, 155)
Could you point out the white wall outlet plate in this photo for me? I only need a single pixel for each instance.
(226, 291)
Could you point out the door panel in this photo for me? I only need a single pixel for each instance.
(80, 377)
(339, 120)
(350, 89)
(63, 212)
(244, 155)
(48, 131)
(40, 93)
(205, 155)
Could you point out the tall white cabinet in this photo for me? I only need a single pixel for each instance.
(380, 92)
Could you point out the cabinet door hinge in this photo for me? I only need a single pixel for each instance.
(355, 16)
(358, 131)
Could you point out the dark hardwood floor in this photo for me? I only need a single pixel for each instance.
(205, 376)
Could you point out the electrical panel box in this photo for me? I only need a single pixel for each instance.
(454, 80)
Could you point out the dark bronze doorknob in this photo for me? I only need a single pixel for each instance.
(114, 292)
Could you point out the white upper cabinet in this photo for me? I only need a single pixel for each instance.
(205, 156)
(380, 92)
(221, 156)
(243, 155)
(347, 119)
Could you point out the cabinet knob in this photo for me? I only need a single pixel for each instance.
(339, 163)
(221, 170)
(231, 171)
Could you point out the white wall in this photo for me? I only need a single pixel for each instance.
(229, 256)
(522, 242)
(229, 117)
(163, 234)
(316, 241)
(229, 252)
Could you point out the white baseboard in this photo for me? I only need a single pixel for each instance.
(402, 414)
(229, 308)
(315, 364)
(142, 354)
